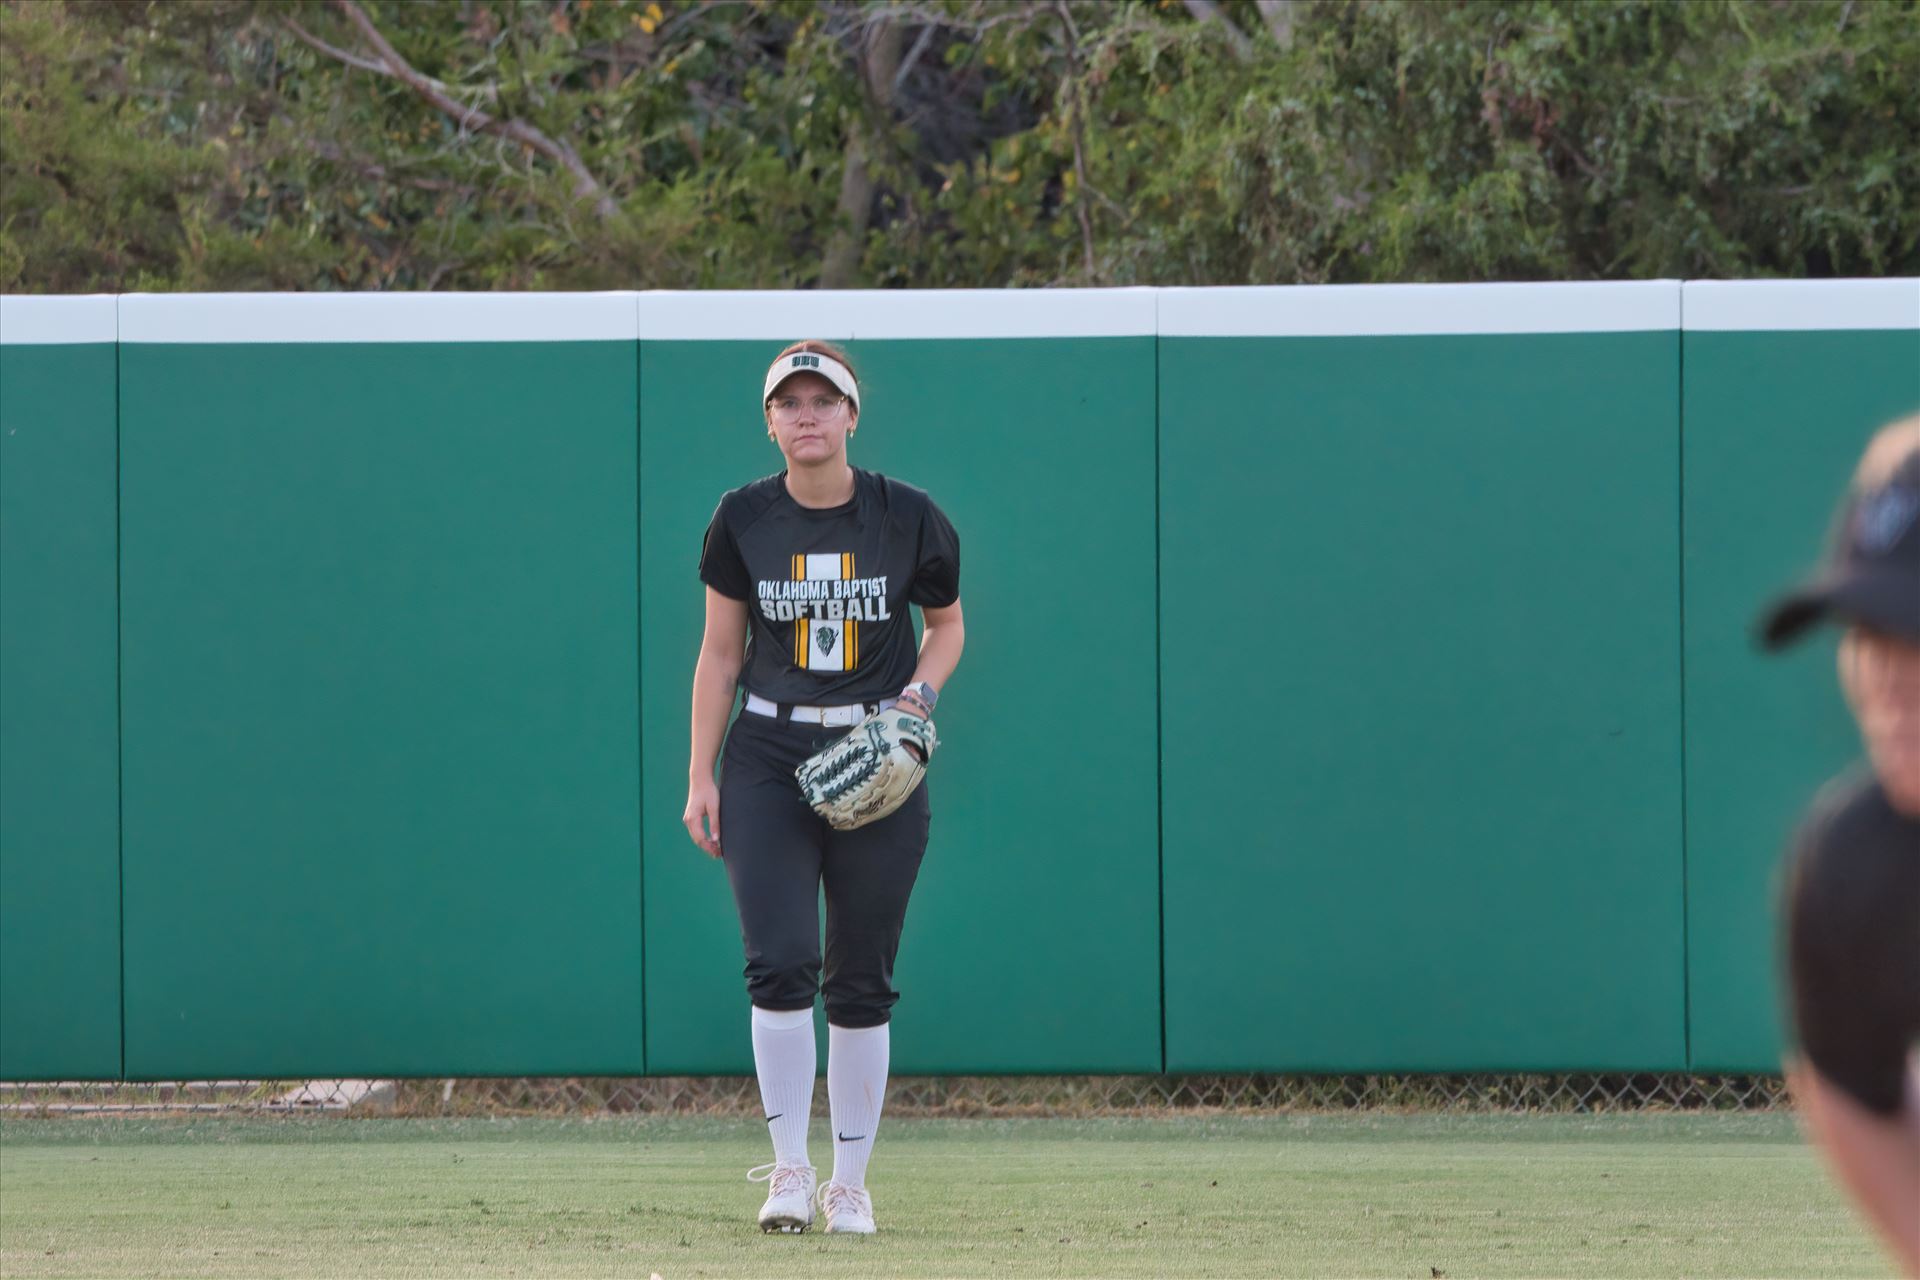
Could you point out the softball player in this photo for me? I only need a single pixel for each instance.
(810, 574)
(1852, 903)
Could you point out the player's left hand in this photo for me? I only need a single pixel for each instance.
(869, 773)
(912, 703)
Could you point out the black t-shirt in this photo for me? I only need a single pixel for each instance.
(1853, 940)
(827, 588)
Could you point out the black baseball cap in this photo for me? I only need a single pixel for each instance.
(1872, 572)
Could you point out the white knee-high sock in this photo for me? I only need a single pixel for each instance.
(856, 1090)
(783, 1059)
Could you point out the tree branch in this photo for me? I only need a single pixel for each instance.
(440, 96)
(1573, 153)
(489, 92)
(340, 55)
(913, 55)
(1208, 11)
(1078, 123)
(878, 59)
(969, 25)
(687, 15)
(1278, 15)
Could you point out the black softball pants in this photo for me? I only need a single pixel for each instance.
(779, 853)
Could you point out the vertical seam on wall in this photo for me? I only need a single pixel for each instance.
(1159, 753)
(119, 701)
(1686, 912)
(639, 676)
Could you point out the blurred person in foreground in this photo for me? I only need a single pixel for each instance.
(1852, 894)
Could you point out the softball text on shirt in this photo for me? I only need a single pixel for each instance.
(826, 604)
(827, 589)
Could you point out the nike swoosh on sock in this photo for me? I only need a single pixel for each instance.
(855, 1138)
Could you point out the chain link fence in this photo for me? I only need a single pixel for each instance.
(920, 1095)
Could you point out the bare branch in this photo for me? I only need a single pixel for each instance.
(339, 55)
(687, 15)
(440, 96)
(878, 55)
(1208, 11)
(1079, 124)
(1279, 16)
(883, 61)
(913, 55)
(976, 26)
(487, 91)
(1573, 153)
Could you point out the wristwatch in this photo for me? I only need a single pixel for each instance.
(923, 691)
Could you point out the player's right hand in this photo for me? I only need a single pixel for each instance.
(703, 815)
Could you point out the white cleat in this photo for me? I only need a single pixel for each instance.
(849, 1209)
(789, 1205)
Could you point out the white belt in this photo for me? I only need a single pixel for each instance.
(852, 713)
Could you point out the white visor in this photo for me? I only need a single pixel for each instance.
(811, 362)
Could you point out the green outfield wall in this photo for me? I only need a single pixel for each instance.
(1784, 383)
(380, 686)
(59, 710)
(1357, 679)
(1424, 727)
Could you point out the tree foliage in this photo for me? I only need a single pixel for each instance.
(481, 144)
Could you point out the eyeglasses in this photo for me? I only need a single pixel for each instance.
(787, 408)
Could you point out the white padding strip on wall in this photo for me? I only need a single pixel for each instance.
(877, 314)
(1802, 305)
(1360, 310)
(26, 320)
(378, 317)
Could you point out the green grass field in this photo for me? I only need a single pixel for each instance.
(1375, 1195)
